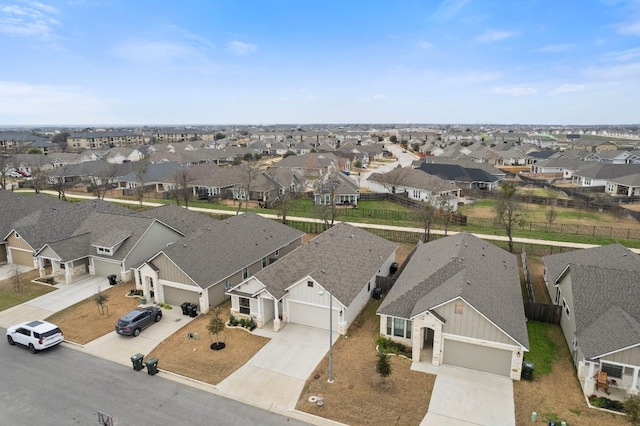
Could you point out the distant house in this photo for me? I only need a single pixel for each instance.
(336, 188)
(461, 176)
(458, 301)
(340, 264)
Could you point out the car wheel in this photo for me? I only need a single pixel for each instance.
(10, 340)
(32, 348)
(158, 317)
(136, 332)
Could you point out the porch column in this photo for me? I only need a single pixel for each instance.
(589, 383)
(41, 267)
(276, 319)
(67, 272)
(416, 341)
(437, 345)
(203, 299)
(633, 389)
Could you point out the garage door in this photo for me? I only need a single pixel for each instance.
(104, 268)
(177, 296)
(311, 315)
(476, 357)
(21, 257)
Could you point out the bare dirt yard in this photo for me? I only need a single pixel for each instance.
(83, 322)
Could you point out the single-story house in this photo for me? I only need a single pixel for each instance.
(458, 301)
(200, 268)
(335, 187)
(330, 277)
(600, 298)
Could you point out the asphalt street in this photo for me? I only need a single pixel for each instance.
(62, 386)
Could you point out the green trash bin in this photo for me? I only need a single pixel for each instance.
(152, 366)
(136, 360)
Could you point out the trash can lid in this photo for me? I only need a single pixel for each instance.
(137, 356)
(527, 364)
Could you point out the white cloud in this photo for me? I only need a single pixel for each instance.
(241, 48)
(491, 36)
(624, 55)
(629, 28)
(154, 51)
(33, 20)
(424, 44)
(448, 9)
(555, 48)
(379, 96)
(515, 90)
(568, 88)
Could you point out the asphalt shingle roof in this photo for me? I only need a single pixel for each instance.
(228, 246)
(462, 265)
(342, 259)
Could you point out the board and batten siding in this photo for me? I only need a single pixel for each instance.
(154, 239)
(629, 356)
(470, 323)
(168, 271)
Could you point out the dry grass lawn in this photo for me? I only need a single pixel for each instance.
(12, 295)
(194, 358)
(83, 322)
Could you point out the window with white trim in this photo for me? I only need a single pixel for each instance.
(245, 273)
(245, 305)
(612, 370)
(565, 306)
(399, 327)
(104, 250)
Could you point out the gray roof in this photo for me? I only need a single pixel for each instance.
(72, 248)
(342, 259)
(14, 206)
(606, 306)
(183, 220)
(414, 179)
(614, 256)
(228, 246)
(462, 265)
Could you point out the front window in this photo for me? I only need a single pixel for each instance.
(399, 327)
(245, 273)
(613, 370)
(245, 306)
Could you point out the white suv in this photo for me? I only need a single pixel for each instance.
(35, 335)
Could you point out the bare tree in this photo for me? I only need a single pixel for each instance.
(60, 183)
(426, 214)
(508, 210)
(394, 179)
(101, 184)
(16, 275)
(447, 209)
(183, 191)
(101, 299)
(141, 176)
(250, 173)
(38, 178)
(6, 165)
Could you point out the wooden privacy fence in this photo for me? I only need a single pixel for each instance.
(543, 312)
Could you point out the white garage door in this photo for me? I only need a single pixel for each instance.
(104, 268)
(177, 296)
(21, 257)
(312, 315)
(476, 357)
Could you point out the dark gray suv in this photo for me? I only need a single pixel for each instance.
(131, 323)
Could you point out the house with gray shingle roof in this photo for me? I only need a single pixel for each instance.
(201, 267)
(336, 188)
(458, 302)
(600, 298)
(336, 270)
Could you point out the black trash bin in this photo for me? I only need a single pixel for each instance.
(112, 279)
(185, 308)
(136, 360)
(152, 366)
(376, 293)
(393, 268)
(527, 370)
(193, 310)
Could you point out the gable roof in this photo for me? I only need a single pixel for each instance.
(606, 306)
(185, 221)
(342, 259)
(454, 172)
(227, 246)
(485, 276)
(413, 178)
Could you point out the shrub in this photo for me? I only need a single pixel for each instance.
(388, 346)
(632, 408)
(233, 320)
(251, 324)
(606, 403)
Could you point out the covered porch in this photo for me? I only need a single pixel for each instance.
(615, 381)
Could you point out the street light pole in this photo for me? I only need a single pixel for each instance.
(330, 380)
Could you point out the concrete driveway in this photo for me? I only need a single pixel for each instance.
(117, 348)
(52, 302)
(463, 397)
(277, 373)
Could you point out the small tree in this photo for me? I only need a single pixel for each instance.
(101, 299)
(216, 324)
(426, 214)
(383, 366)
(16, 276)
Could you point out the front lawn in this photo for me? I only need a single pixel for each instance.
(13, 295)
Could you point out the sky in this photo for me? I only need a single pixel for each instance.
(150, 62)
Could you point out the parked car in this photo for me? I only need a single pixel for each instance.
(134, 321)
(13, 174)
(23, 173)
(35, 335)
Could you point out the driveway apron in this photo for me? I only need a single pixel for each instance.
(463, 397)
(277, 373)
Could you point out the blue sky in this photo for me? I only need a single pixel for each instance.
(133, 62)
